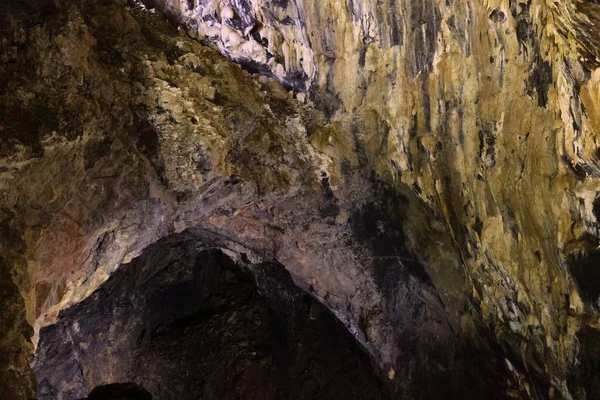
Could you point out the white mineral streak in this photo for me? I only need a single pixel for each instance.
(234, 30)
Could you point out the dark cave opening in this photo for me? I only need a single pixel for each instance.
(185, 321)
(119, 391)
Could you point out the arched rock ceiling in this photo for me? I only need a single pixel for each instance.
(448, 158)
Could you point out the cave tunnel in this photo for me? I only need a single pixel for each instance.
(299, 199)
(185, 321)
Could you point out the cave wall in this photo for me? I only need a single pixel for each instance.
(439, 189)
(120, 129)
(488, 110)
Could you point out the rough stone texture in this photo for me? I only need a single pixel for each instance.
(488, 110)
(439, 198)
(119, 130)
(187, 323)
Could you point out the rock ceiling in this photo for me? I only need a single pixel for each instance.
(427, 170)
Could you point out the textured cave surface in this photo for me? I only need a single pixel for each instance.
(185, 322)
(422, 175)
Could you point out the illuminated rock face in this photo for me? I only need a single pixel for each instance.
(437, 193)
(489, 112)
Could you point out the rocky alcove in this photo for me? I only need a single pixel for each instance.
(187, 322)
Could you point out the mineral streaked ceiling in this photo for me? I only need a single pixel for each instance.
(447, 157)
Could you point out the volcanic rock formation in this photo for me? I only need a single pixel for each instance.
(425, 171)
